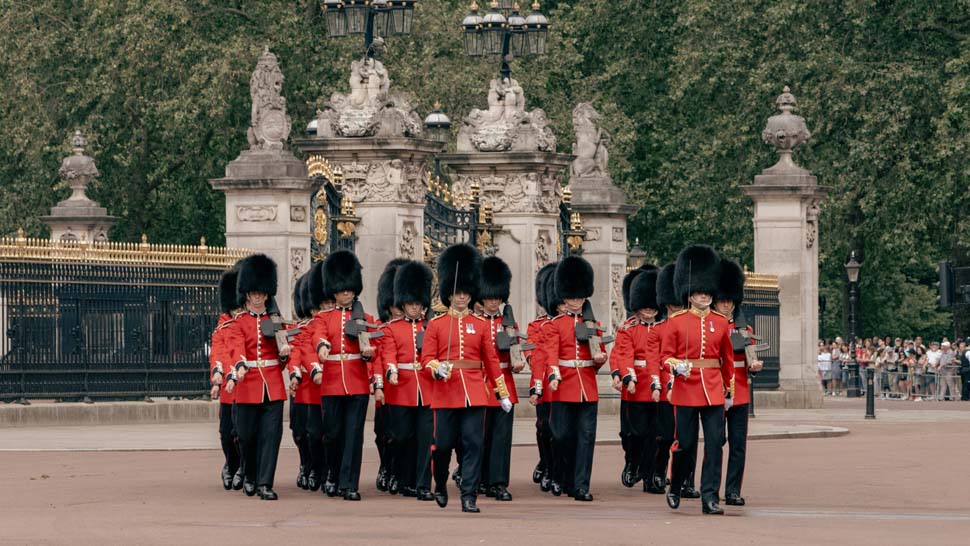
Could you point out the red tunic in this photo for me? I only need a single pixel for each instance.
(704, 335)
(245, 343)
(398, 352)
(304, 358)
(494, 327)
(742, 385)
(469, 341)
(653, 359)
(629, 359)
(218, 359)
(344, 372)
(537, 360)
(563, 353)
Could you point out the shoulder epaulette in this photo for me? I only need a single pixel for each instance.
(720, 314)
(225, 323)
(391, 322)
(677, 314)
(439, 316)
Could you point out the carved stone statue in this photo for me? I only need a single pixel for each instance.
(78, 169)
(506, 125)
(592, 157)
(785, 131)
(370, 109)
(269, 124)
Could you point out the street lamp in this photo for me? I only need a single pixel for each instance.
(852, 272)
(637, 257)
(505, 32)
(375, 19)
(438, 124)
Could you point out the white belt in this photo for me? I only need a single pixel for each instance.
(409, 366)
(504, 365)
(640, 363)
(738, 363)
(261, 363)
(342, 356)
(576, 363)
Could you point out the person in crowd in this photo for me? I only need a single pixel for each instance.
(825, 367)
(947, 373)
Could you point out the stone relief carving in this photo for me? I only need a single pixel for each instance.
(616, 295)
(592, 156)
(543, 243)
(256, 213)
(619, 234)
(518, 192)
(269, 124)
(393, 180)
(506, 125)
(811, 224)
(593, 234)
(406, 248)
(297, 213)
(297, 261)
(370, 109)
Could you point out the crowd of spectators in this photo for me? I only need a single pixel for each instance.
(904, 369)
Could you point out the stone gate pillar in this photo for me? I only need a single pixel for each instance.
(78, 218)
(267, 188)
(786, 211)
(375, 137)
(510, 154)
(604, 209)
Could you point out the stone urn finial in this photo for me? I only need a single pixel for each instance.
(785, 131)
(78, 169)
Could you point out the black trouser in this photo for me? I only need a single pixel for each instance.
(260, 429)
(642, 432)
(343, 437)
(410, 430)
(228, 438)
(544, 437)
(498, 446)
(451, 426)
(737, 437)
(298, 422)
(380, 434)
(965, 385)
(665, 422)
(306, 423)
(574, 436)
(314, 432)
(712, 419)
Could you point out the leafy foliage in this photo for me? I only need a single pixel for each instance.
(161, 90)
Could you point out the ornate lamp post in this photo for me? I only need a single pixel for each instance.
(852, 271)
(504, 32)
(637, 257)
(375, 19)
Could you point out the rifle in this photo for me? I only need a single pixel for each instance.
(509, 339)
(275, 327)
(356, 327)
(586, 331)
(741, 340)
(419, 339)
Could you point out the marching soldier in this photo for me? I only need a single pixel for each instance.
(639, 385)
(542, 474)
(495, 291)
(341, 339)
(232, 471)
(669, 304)
(696, 347)
(408, 386)
(572, 364)
(305, 400)
(629, 477)
(728, 301)
(386, 312)
(457, 350)
(320, 303)
(257, 378)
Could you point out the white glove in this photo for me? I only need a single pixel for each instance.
(728, 403)
(506, 405)
(444, 371)
(680, 369)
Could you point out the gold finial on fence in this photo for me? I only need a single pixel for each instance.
(21, 237)
(203, 249)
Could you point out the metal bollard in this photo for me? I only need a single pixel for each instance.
(870, 394)
(852, 389)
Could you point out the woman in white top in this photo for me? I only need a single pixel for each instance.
(825, 367)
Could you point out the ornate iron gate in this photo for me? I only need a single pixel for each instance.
(454, 218)
(761, 306)
(333, 223)
(571, 232)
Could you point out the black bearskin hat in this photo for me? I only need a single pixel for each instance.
(541, 277)
(299, 302)
(665, 287)
(468, 262)
(227, 291)
(698, 270)
(385, 288)
(342, 271)
(643, 291)
(412, 284)
(314, 283)
(496, 279)
(731, 285)
(628, 281)
(257, 273)
(307, 294)
(553, 298)
(574, 278)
